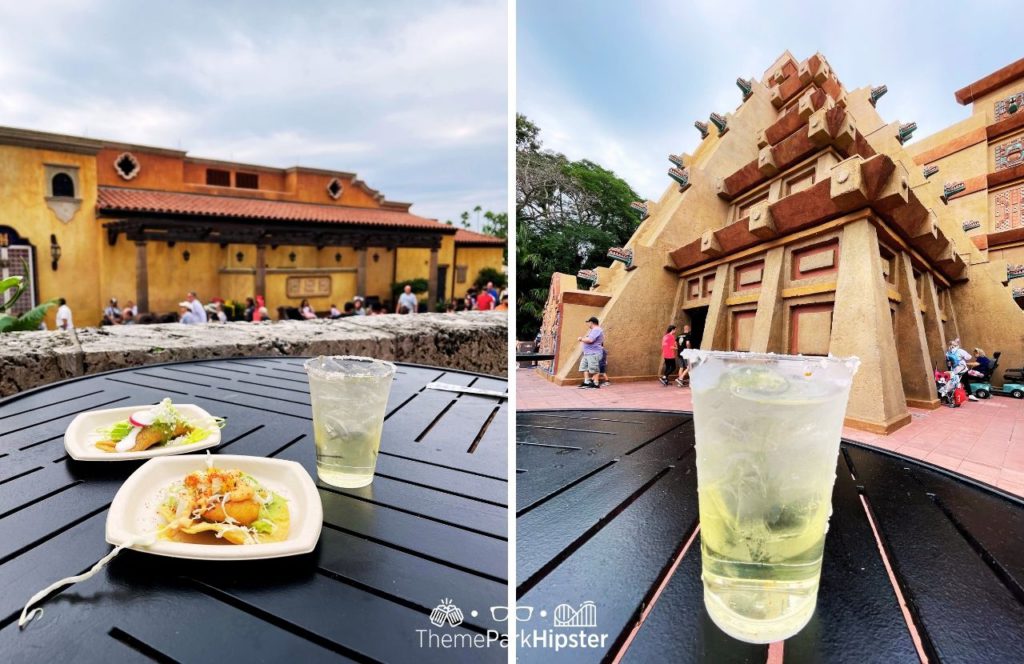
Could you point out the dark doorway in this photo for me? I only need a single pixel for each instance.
(442, 283)
(698, 319)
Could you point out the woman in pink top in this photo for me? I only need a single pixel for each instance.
(668, 353)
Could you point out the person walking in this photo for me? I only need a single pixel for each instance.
(64, 320)
(668, 353)
(408, 300)
(602, 369)
(684, 341)
(593, 342)
(196, 306)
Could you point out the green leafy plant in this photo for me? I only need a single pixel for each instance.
(499, 278)
(27, 321)
(418, 286)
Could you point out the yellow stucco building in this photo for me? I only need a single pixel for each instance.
(802, 223)
(95, 219)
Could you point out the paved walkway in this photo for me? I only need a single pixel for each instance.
(981, 439)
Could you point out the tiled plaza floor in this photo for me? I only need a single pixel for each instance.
(981, 439)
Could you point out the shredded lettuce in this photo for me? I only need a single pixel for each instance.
(116, 431)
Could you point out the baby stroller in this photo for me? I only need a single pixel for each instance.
(951, 393)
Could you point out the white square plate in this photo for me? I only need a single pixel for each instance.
(80, 438)
(134, 510)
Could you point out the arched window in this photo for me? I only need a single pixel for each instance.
(62, 186)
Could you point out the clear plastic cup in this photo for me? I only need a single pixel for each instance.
(768, 429)
(349, 396)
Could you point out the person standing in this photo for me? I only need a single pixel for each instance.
(408, 300)
(602, 369)
(484, 301)
(64, 320)
(492, 290)
(250, 308)
(590, 363)
(187, 315)
(196, 306)
(668, 353)
(684, 341)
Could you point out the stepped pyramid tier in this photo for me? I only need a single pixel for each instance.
(702, 127)
(641, 207)
(809, 227)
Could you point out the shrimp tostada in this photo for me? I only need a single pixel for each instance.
(215, 505)
(162, 424)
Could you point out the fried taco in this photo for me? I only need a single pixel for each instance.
(162, 424)
(215, 505)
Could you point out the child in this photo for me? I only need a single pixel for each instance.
(602, 369)
(668, 353)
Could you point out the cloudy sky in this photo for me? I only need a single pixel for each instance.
(411, 95)
(622, 84)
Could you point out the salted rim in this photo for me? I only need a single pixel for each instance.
(699, 356)
(317, 372)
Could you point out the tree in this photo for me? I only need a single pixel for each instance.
(568, 214)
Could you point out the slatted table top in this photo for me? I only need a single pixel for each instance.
(607, 512)
(431, 526)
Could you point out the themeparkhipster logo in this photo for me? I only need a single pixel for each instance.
(572, 627)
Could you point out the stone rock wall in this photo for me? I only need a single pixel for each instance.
(472, 341)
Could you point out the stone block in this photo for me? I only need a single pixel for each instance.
(848, 188)
(817, 128)
(804, 72)
(766, 162)
(760, 221)
(471, 341)
(762, 139)
(805, 107)
(896, 190)
(846, 134)
(709, 245)
(776, 97)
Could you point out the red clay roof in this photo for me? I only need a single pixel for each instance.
(462, 236)
(113, 199)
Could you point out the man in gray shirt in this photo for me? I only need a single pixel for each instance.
(408, 300)
(593, 344)
(197, 307)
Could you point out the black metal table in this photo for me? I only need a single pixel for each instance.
(607, 512)
(431, 526)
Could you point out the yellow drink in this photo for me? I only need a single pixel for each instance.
(767, 430)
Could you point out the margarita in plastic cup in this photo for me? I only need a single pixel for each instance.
(768, 429)
(349, 396)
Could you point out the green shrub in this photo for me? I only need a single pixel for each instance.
(499, 278)
(418, 286)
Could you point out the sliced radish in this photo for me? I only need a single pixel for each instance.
(142, 418)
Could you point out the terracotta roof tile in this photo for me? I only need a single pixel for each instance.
(463, 236)
(113, 199)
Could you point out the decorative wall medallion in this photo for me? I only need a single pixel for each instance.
(334, 188)
(1010, 153)
(298, 287)
(1007, 107)
(127, 166)
(1007, 208)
